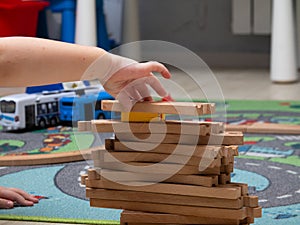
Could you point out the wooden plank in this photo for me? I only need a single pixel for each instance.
(254, 212)
(83, 177)
(265, 128)
(142, 117)
(168, 126)
(160, 168)
(175, 189)
(93, 174)
(227, 138)
(42, 159)
(250, 201)
(159, 198)
(165, 218)
(127, 157)
(206, 180)
(179, 108)
(244, 187)
(123, 176)
(223, 178)
(175, 149)
(236, 214)
(273, 128)
(227, 169)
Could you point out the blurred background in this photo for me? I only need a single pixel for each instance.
(260, 35)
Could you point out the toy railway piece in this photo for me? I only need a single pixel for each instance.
(161, 168)
(166, 173)
(123, 176)
(265, 128)
(227, 138)
(176, 149)
(178, 108)
(160, 198)
(226, 152)
(127, 157)
(231, 192)
(168, 126)
(41, 159)
(137, 217)
(224, 213)
(204, 160)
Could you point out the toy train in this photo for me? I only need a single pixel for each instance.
(51, 105)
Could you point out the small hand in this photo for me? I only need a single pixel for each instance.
(129, 84)
(10, 196)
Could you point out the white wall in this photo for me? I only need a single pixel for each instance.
(205, 27)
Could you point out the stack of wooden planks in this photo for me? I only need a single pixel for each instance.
(168, 172)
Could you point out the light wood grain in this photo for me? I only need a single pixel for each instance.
(179, 108)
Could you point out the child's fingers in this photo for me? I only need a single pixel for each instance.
(154, 66)
(18, 196)
(6, 204)
(154, 83)
(25, 195)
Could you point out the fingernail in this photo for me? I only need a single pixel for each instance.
(9, 204)
(168, 98)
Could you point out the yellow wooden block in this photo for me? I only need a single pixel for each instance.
(141, 117)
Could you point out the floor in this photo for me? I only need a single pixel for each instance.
(239, 84)
(232, 84)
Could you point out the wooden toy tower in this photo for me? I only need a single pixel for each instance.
(191, 183)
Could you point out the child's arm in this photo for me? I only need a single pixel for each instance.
(26, 61)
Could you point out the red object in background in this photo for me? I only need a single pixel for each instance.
(20, 17)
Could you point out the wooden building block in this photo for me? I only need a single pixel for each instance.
(142, 117)
(224, 178)
(228, 138)
(133, 217)
(158, 198)
(93, 175)
(227, 169)
(159, 168)
(83, 177)
(168, 126)
(123, 176)
(42, 159)
(175, 149)
(181, 152)
(127, 157)
(250, 201)
(174, 189)
(254, 212)
(234, 214)
(265, 128)
(207, 181)
(179, 108)
(227, 160)
(244, 187)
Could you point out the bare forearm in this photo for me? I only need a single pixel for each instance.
(33, 61)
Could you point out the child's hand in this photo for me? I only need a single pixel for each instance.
(10, 196)
(129, 84)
